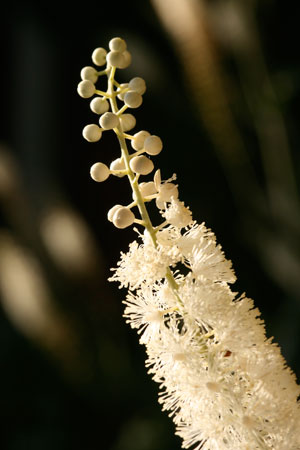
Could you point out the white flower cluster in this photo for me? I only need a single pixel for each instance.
(225, 384)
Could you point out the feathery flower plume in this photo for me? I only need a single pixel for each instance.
(225, 385)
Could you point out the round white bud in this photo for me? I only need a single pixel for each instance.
(122, 87)
(112, 211)
(141, 165)
(138, 84)
(123, 217)
(153, 145)
(128, 121)
(118, 164)
(99, 56)
(89, 73)
(99, 105)
(115, 59)
(133, 99)
(166, 191)
(147, 188)
(109, 120)
(126, 60)
(117, 44)
(86, 89)
(138, 140)
(92, 133)
(99, 172)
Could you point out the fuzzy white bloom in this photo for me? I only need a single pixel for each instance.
(177, 214)
(205, 257)
(221, 379)
(146, 312)
(143, 262)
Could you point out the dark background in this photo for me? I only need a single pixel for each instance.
(225, 101)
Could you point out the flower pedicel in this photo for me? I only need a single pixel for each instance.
(225, 385)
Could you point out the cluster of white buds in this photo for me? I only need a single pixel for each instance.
(110, 106)
(225, 384)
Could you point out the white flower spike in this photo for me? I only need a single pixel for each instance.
(225, 384)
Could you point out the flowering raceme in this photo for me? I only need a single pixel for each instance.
(225, 385)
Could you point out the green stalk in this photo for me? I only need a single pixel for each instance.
(133, 179)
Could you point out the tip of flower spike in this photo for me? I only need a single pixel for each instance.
(115, 59)
(118, 56)
(117, 44)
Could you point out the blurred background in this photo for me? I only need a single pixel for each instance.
(223, 93)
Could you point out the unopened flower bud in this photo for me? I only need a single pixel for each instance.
(123, 217)
(126, 60)
(133, 99)
(118, 164)
(112, 211)
(147, 188)
(122, 89)
(138, 84)
(99, 105)
(128, 121)
(99, 56)
(92, 133)
(141, 165)
(89, 73)
(153, 145)
(115, 59)
(109, 120)
(117, 44)
(99, 172)
(138, 140)
(86, 89)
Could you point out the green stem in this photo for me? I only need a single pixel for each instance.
(125, 154)
(133, 180)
